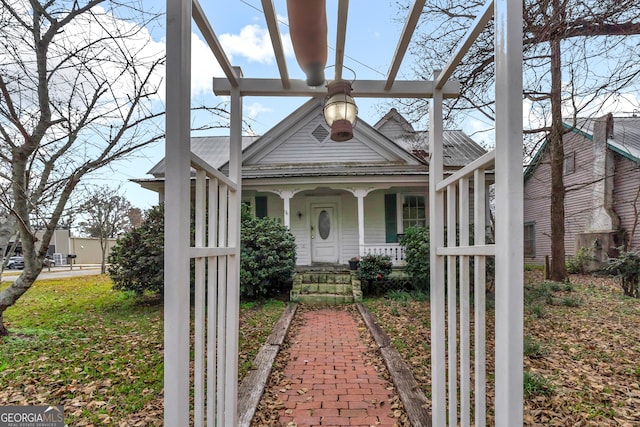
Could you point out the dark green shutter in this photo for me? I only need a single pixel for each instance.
(390, 218)
(261, 206)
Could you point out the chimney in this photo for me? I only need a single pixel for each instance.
(602, 217)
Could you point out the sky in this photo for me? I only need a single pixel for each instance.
(373, 31)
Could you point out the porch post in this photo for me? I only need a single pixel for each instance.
(509, 214)
(177, 202)
(286, 197)
(360, 193)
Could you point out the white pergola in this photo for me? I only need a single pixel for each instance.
(216, 251)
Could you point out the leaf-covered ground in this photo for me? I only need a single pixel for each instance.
(98, 352)
(582, 350)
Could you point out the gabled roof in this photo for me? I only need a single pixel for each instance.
(625, 139)
(299, 145)
(213, 149)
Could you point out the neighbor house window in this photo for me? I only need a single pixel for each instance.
(529, 239)
(569, 165)
(413, 211)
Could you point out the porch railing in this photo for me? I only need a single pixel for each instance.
(393, 250)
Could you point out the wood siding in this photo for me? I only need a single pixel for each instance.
(625, 197)
(304, 148)
(579, 197)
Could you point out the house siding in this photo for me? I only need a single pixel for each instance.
(304, 148)
(578, 198)
(625, 197)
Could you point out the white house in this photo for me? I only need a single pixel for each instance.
(339, 199)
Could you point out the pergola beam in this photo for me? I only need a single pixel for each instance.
(361, 88)
(485, 15)
(200, 18)
(276, 41)
(407, 32)
(343, 11)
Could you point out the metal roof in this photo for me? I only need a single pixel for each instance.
(459, 150)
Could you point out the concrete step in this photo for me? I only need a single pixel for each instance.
(325, 298)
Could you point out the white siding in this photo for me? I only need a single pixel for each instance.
(374, 231)
(300, 229)
(304, 148)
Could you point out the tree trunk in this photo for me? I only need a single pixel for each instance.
(558, 271)
(103, 245)
(3, 329)
(10, 295)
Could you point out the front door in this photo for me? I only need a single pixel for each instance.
(324, 233)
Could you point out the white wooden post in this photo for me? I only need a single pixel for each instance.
(233, 279)
(452, 303)
(286, 197)
(360, 194)
(479, 304)
(465, 372)
(509, 213)
(436, 236)
(177, 202)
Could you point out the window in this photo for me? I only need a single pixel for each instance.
(529, 238)
(257, 205)
(413, 212)
(569, 164)
(261, 206)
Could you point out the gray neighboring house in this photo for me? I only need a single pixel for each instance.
(339, 199)
(602, 178)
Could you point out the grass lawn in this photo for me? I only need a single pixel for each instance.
(98, 352)
(582, 349)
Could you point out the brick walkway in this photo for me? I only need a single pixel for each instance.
(331, 383)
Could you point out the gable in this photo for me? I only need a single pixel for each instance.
(304, 139)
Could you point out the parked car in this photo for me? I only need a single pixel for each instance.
(16, 262)
(49, 262)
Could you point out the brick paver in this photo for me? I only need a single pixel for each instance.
(330, 381)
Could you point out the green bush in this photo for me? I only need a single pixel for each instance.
(375, 267)
(579, 263)
(626, 267)
(416, 246)
(137, 259)
(268, 256)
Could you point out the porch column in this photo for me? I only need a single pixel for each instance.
(360, 193)
(286, 197)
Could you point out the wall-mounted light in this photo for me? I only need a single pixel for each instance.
(299, 215)
(340, 110)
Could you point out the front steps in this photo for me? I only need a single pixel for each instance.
(326, 285)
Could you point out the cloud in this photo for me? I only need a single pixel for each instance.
(253, 43)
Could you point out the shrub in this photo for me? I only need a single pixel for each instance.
(268, 256)
(136, 260)
(626, 267)
(580, 262)
(267, 262)
(416, 245)
(375, 267)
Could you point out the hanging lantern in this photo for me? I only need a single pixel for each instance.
(308, 31)
(340, 110)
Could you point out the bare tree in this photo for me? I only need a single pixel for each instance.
(577, 53)
(107, 215)
(78, 91)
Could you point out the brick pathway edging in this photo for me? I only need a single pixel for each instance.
(253, 384)
(413, 399)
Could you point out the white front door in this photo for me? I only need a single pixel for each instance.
(324, 233)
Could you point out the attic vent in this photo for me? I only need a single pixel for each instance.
(320, 133)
